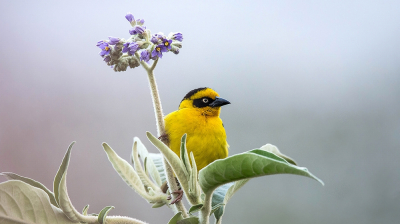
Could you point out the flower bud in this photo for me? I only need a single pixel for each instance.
(139, 29)
(177, 44)
(174, 49)
(177, 36)
(140, 21)
(145, 56)
(100, 43)
(126, 47)
(130, 18)
(133, 62)
(154, 39)
(133, 47)
(107, 58)
(113, 40)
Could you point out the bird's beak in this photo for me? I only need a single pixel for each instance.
(219, 102)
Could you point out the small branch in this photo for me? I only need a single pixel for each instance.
(123, 219)
(153, 65)
(206, 210)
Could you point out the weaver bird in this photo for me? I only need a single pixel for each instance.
(198, 117)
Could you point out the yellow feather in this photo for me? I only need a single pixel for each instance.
(206, 136)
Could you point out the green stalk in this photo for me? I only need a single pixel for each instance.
(161, 129)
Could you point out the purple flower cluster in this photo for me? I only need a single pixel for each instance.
(141, 46)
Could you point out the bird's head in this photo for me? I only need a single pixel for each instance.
(204, 100)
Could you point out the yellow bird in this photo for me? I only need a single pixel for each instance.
(198, 117)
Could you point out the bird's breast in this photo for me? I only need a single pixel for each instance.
(206, 136)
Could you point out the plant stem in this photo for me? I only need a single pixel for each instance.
(161, 129)
(156, 100)
(206, 210)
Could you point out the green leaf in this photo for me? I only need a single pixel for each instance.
(233, 189)
(275, 150)
(194, 187)
(60, 172)
(21, 203)
(125, 171)
(139, 169)
(218, 198)
(247, 165)
(190, 220)
(103, 214)
(184, 155)
(13, 176)
(217, 206)
(158, 162)
(173, 160)
(149, 166)
(85, 209)
(195, 208)
(63, 199)
(222, 194)
(219, 194)
(158, 204)
(176, 218)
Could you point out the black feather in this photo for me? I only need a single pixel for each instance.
(192, 92)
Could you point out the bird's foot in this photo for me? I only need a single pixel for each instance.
(164, 138)
(178, 198)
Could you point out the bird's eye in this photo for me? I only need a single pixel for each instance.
(205, 100)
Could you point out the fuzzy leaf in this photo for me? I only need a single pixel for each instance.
(275, 150)
(85, 209)
(13, 176)
(158, 204)
(24, 204)
(184, 155)
(219, 194)
(61, 171)
(125, 171)
(247, 165)
(217, 206)
(158, 162)
(190, 220)
(195, 208)
(63, 199)
(222, 194)
(175, 218)
(150, 165)
(173, 160)
(139, 169)
(103, 214)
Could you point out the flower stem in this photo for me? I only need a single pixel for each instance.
(154, 94)
(156, 102)
(161, 129)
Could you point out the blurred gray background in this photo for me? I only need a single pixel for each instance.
(318, 79)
